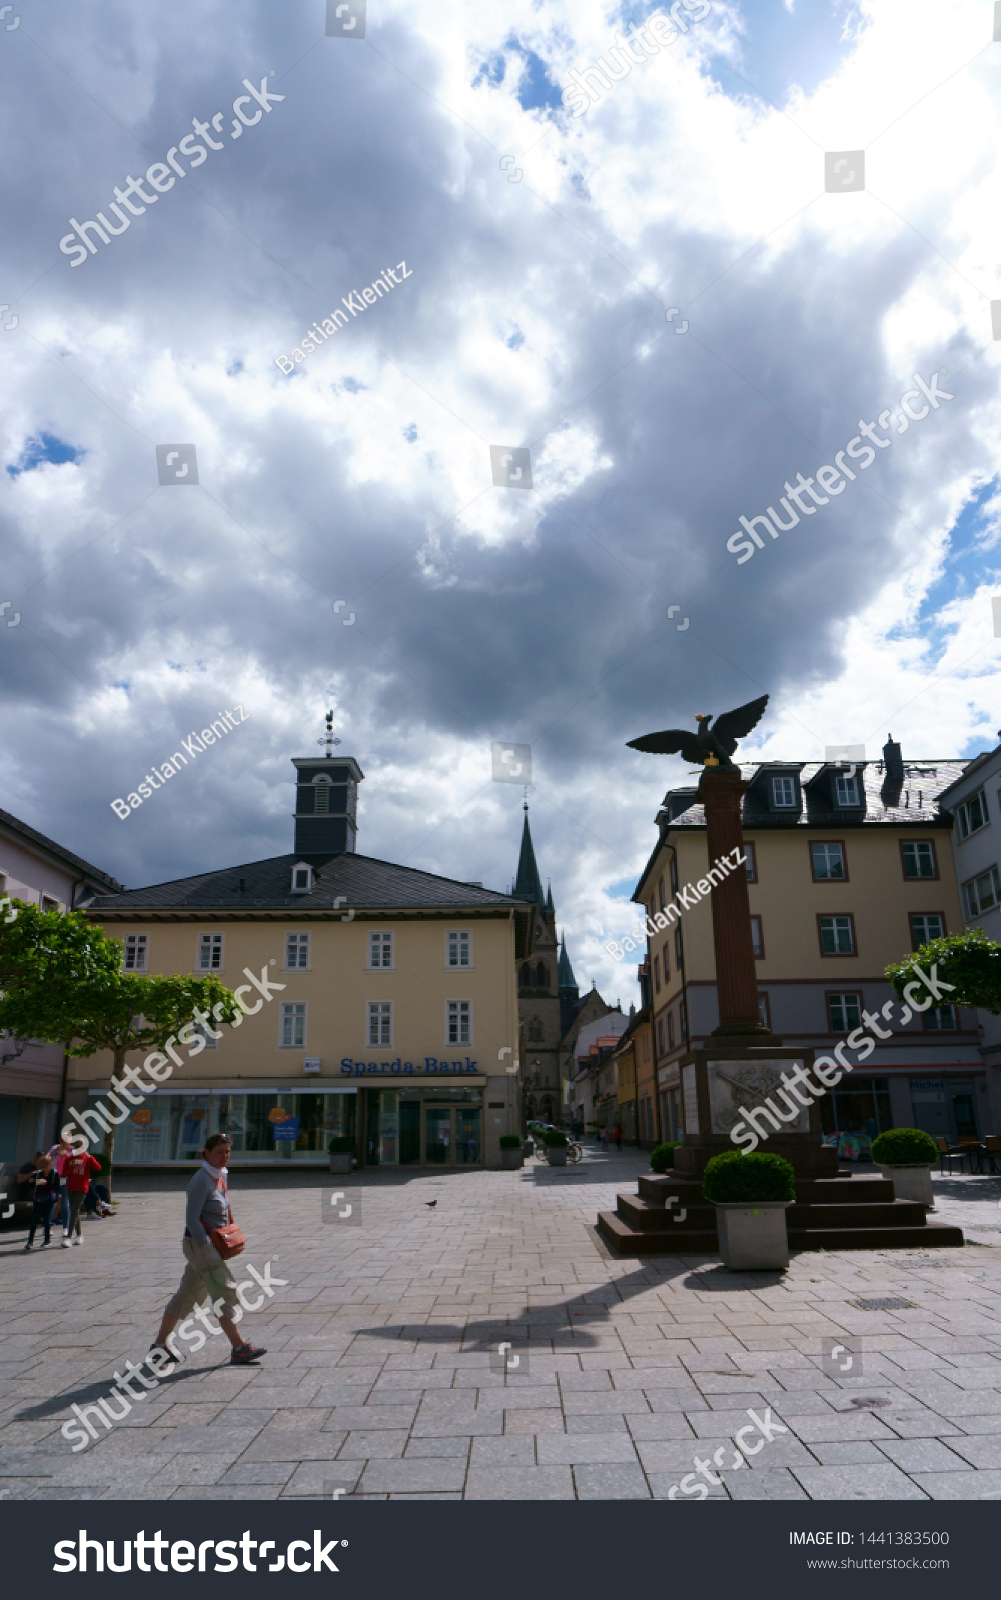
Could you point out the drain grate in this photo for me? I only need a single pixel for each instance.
(883, 1303)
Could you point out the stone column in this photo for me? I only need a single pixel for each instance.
(721, 792)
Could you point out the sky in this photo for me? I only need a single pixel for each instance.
(666, 300)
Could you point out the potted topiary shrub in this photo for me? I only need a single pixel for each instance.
(907, 1155)
(342, 1149)
(556, 1146)
(751, 1193)
(662, 1155)
(511, 1152)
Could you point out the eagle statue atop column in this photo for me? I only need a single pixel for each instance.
(713, 744)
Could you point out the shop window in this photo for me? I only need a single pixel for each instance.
(380, 1023)
(918, 856)
(296, 951)
(459, 1022)
(757, 939)
(837, 936)
(940, 1019)
(926, 925)
(828, 862)
(844, 1012)
(293, 1019)
(852, 1114)
(210, 952)
(136, 952)
(459, 948)
(380, 950)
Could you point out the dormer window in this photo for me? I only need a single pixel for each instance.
(846, 791)
(302, 878)
(784, 792)
(321, 799)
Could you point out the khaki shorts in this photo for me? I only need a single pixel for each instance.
(206, 1277)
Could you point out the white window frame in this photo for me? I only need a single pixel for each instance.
(292, 1012)
(924, 915)
(845, 786)
(827, 845)
(140, 949)
(917, 845)
(842, 995)
(381, 1013)
(463, 945)
(302, 866)
(779, 789)
(216, 941)
(963, 827)
(933, 1024)
(381, 941)
(201, 1030)
(974, 906)
(835, 918)
(48, 902)
(300, 940)
(463, 1013)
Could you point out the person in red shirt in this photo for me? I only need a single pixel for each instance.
(77, 1169)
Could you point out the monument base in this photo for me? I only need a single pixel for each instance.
(737, 1085)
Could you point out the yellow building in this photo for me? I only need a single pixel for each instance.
(382, 1003)
(846, 873)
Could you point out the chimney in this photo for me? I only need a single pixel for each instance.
(326, 803)
(893, 779)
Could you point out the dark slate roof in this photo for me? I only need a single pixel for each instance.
(916, 802)
(32, 836)
(362, 881)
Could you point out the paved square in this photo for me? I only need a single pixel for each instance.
(379, 1381)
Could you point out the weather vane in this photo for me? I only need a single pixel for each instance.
(329, 739)
(710, 746)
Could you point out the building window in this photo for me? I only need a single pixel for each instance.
(380, 1022)
(846, 790)
(670, 1030)
(972, 814)
(783, 792)
(667, 963)
(926, 925)
(918, 856)
(302, 879)
(525, 976)
(201, 1029)
(656, 973)
(757, 939)
(837, 936)
(296, 951)
(535, 1030)
(674, 874)
(660, 891)
(136, 952)
(683, 1013)
(661, 1048)
(48, 903)
(459, 952)
(459, 1022)
(982, 893)
(210, 952)
(380, 950)
(321, 794)
(764, 1011)
(679, 949)
(293, 1027)
(542, 976)
(828, 862)
(844, 1012)
(940, 1019)
(750, 863)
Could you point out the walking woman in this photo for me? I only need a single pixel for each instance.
(206, 1274)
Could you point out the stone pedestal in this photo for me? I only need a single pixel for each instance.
(727, 1079)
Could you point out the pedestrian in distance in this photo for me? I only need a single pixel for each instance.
(58, 1155)
(77, 1169)
(617, 1136)
(206, 1275)
(41, 1201)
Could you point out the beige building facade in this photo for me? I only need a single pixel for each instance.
(382, 1004)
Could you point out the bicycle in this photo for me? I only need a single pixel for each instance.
(574, 1153)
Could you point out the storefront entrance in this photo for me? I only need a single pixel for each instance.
(424, 1127)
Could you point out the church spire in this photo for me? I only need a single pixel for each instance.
(549, 899)
(528, 884)
(566, 978)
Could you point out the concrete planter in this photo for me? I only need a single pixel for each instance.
(511, 1160)
(753, 1237)
(341, 1162)
(911, 1183)
(557, 1154)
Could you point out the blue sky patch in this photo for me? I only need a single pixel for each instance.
(42, 448)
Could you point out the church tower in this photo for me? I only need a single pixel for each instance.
(547, 992)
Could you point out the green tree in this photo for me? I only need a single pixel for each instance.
(63, 982)
(970, 962)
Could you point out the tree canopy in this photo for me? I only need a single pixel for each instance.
(969, 961)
